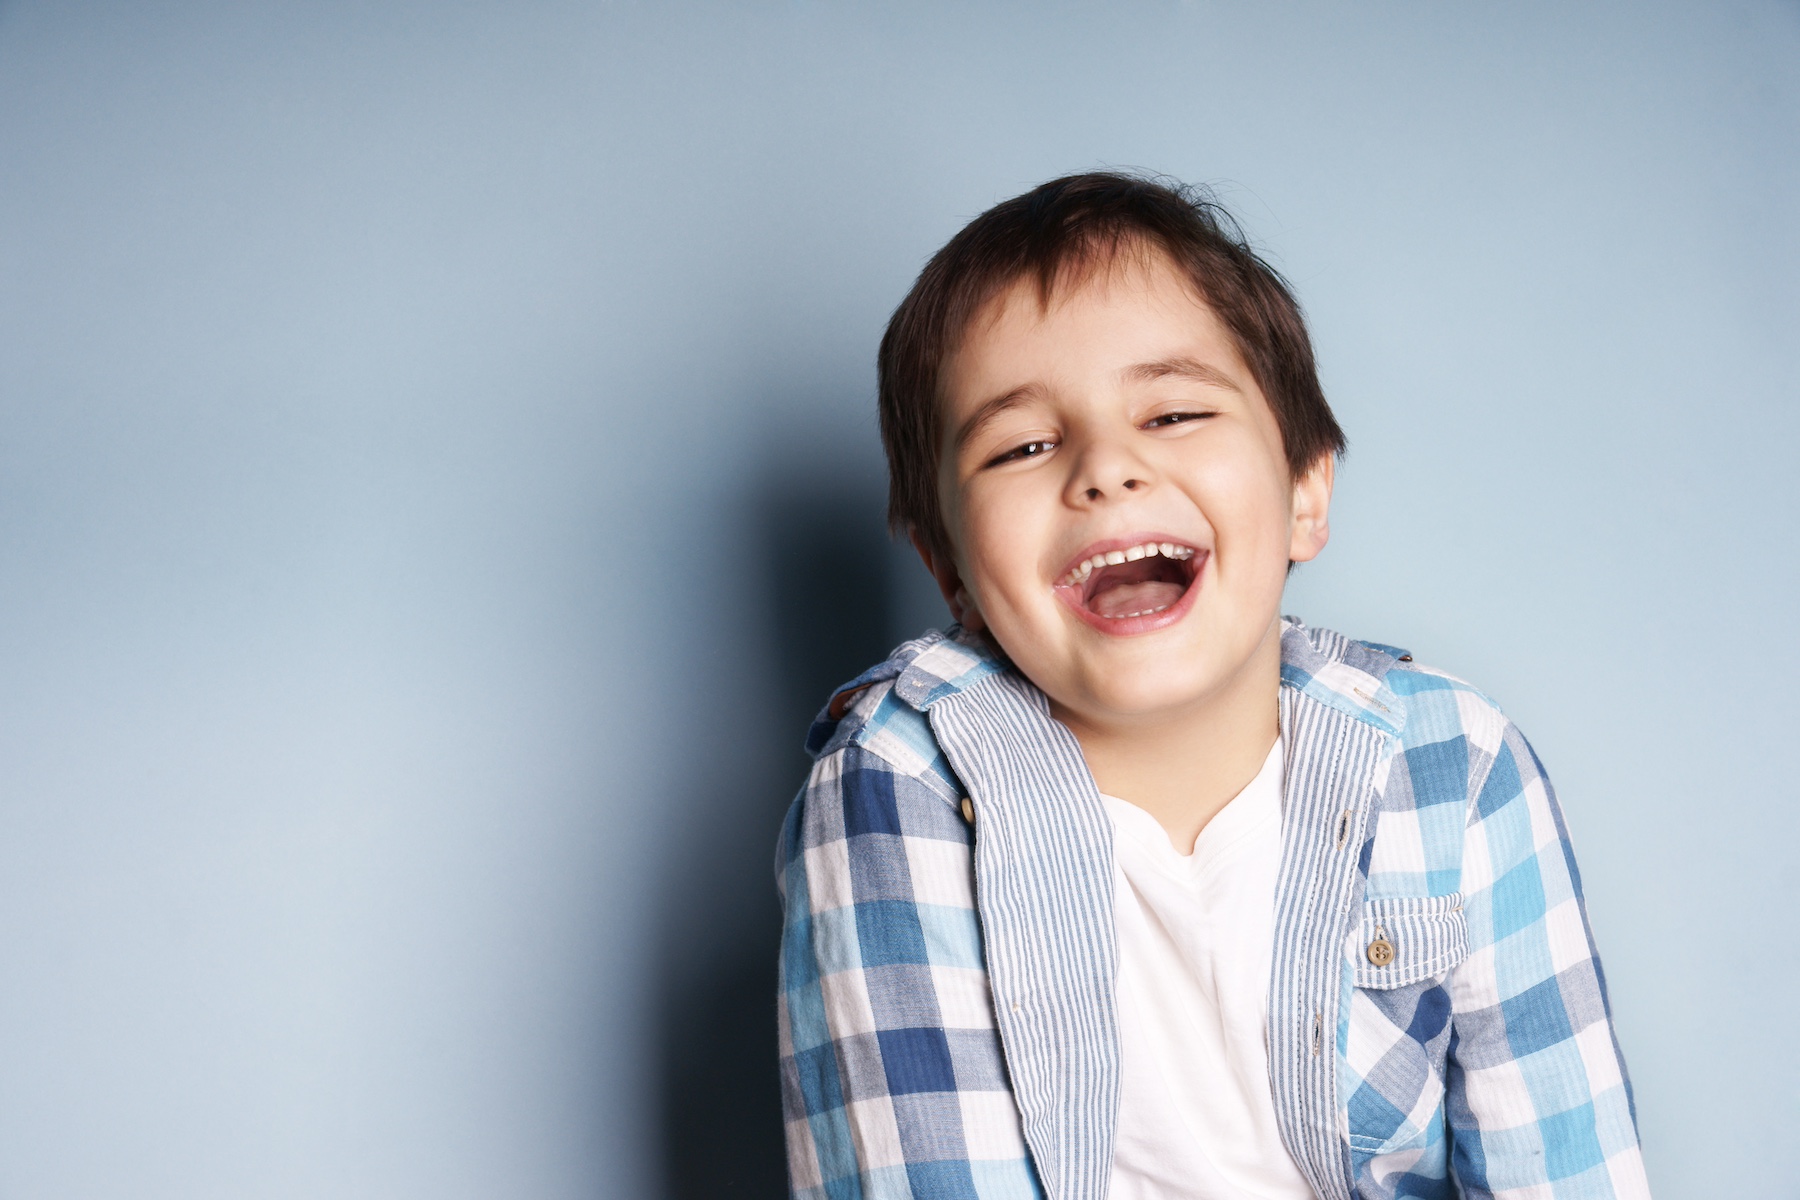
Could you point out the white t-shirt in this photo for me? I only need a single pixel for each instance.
(1196, 1116)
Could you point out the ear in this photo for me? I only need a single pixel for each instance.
(956, 596)
(1309, 526)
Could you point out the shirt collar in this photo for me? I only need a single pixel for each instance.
(947, 663)
(1341, 673)
(1328, 667)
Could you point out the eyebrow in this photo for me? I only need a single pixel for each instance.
(990, 409)
(1184, 368)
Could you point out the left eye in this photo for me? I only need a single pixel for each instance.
(1175, 418)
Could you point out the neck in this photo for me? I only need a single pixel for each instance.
(1183, 766)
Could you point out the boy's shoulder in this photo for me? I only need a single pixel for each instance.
(1385, 686)
(883, 710)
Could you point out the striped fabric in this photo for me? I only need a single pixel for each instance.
(1333, 766)
(1043, 869)
(947, 1015)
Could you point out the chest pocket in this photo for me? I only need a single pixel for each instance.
(1397, 1033)
(1405, 940)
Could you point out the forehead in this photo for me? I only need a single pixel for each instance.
(1135, 305)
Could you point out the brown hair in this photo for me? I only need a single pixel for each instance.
(1056, 233)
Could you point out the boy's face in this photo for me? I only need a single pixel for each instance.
(1122, 422)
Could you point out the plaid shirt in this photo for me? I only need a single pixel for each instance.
(947, 1016)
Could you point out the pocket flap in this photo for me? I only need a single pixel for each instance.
(1425, 936)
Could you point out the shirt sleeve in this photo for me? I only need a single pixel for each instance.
(891, 1073)
(1539, 1103)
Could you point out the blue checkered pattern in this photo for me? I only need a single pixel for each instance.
(1485, 1050)
(1480, 1061)
(893, 1081)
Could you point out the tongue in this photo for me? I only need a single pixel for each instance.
(1126, 598)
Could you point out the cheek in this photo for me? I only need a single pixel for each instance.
(1248, 505)
(1001, 547)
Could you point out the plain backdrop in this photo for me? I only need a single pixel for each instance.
(438, 479)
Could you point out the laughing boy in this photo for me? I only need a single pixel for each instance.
(1125, 885)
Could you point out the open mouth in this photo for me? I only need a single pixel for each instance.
(1142, 580)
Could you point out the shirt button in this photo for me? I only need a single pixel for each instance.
(1381, 952)
(968, 810)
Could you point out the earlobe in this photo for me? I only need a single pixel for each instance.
(1310, 527)
(956, 596)
(963, 610)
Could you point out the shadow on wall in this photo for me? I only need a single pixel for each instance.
(828, 611)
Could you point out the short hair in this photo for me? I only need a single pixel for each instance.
(1057, 233)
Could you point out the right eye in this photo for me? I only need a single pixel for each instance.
(1028, 450)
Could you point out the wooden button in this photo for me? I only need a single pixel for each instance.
(1381, 952)
(968, 810)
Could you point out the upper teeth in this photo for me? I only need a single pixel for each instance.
(1113, 558)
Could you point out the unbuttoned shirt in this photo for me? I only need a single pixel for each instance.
(949, 1003)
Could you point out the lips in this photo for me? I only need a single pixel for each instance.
(1133, 586)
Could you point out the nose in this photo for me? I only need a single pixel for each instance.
(1105, 469)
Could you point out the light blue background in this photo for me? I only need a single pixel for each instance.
(399, 405)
